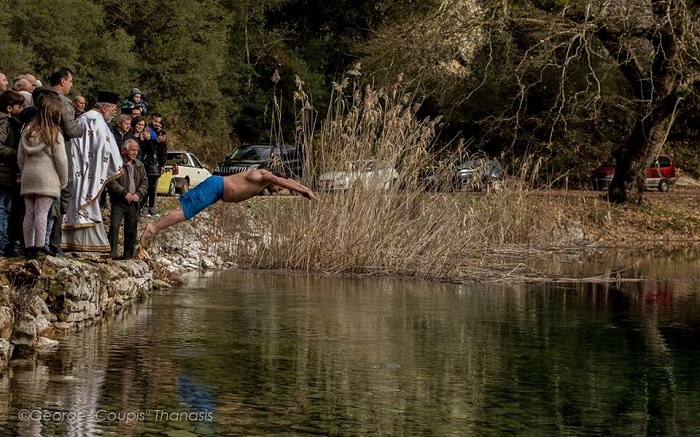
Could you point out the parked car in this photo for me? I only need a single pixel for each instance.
(479, 174)
(366, 173)
(167, 185)
(661, 174)
(285, 158)
(186, 170)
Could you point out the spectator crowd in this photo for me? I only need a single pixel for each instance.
(62, 164)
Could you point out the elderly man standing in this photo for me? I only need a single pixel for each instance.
(126, 192)
(97, 161)
(31, 79)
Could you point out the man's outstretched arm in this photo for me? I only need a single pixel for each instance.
(290, 184)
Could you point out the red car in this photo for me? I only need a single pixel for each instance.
(661, 174)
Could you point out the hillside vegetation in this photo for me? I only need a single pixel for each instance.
(522, 80)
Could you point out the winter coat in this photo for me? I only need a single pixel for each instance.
(153, 155)
(119, 187)
(9, 143)
(129, 103)
(44, 166)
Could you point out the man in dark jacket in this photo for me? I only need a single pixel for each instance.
(120, 131)
(125, 193)
(122, 128)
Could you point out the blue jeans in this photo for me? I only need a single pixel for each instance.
(5, 206)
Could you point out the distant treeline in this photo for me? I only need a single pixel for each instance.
(205, 64)
(208, 67)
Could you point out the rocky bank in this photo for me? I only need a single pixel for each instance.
(38, 297)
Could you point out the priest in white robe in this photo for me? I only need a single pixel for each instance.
(96, 161)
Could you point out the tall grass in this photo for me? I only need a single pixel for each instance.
(405, 230)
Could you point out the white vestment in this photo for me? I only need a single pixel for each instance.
(96, 161)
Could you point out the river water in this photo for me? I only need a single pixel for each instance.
(253, 353)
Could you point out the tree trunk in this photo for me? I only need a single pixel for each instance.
(633, 157)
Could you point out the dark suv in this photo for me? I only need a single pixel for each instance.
(284, 158)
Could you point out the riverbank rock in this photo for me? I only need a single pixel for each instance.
(6, 349)
(191, 245)
(7, 320)
(63, 293)
(78, 291)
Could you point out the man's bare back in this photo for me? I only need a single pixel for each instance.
(242, 186)
(236, 188)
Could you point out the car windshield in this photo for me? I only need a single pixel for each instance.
(251, 153)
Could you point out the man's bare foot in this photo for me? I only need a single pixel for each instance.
(142, 254)
(148, 233)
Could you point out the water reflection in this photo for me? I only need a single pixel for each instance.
(254, 353)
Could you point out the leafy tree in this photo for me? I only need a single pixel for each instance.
(312, 39)
(52, 33)
(180, 47)
(256, 53)
(329, 34)
(14, 57)
(205, 64)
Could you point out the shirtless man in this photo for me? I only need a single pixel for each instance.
(233, 188)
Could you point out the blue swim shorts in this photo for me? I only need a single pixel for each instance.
(202, 196)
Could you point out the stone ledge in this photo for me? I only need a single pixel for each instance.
(40, 296)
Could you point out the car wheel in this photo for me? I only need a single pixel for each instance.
(185, 186)
(664, 185)
(172, 188)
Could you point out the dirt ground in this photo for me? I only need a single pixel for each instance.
(665, 220)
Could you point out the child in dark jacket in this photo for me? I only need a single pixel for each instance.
(135, 100)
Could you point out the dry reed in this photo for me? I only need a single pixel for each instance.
(406, 230)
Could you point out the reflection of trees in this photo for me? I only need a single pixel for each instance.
(596, 360)
(610, 265)
(349, 356)
(343, 357)
(109, 366)
(381, 357)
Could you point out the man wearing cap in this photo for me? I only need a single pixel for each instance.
(96, 161)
